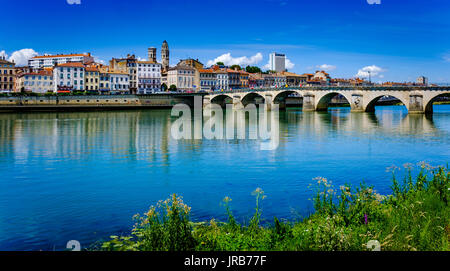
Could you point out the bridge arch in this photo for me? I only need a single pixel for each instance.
(251, 98)
(283, 94)
(222, 99)
(370, 107)
(428, 104)
(324, 101)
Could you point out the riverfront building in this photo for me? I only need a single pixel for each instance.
(222, 80)
(182, 76)
(148, 77)
(119, 82)
(37, 82)
(53, 60)
(68, 77)
(104, 80)
(208, 79)
(92, 79)
(6, 75)
(127, 65)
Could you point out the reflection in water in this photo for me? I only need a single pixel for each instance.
(83, 175)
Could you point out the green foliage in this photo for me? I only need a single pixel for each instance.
(235, 67)
(173, 88)
(220, 64)
(253, 69)
(163, 87)
(415, 217)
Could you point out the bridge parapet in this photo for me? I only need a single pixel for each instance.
(361, 99)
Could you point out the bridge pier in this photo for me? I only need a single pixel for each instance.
(416, 103)
(356, 104)
(206, 102)
(237, 102)
(309, 102)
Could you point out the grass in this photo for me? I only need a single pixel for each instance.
(415, 217)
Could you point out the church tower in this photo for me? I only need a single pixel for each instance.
(152, 54)
(165, 55)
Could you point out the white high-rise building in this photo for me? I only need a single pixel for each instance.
(277, 62)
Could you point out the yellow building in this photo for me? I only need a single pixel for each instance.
(243, 78)
(6, 75)
(92, 77)
(36, 82)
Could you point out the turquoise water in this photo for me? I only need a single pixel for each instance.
(82, 176)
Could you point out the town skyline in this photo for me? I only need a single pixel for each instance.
(399, 42)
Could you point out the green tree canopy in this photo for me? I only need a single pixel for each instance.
(220, 64)
(235, 66)
(253, 69)
(173, 88)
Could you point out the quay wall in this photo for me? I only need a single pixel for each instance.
(89, 102)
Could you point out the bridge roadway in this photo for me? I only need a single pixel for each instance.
(361, 99)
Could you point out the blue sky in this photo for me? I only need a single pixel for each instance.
(398, 40)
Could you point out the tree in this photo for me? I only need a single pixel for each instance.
(235, 67)
(253, 69)
(220, 64)
(173, 88)
(163, 87)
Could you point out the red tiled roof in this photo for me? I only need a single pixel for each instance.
(72, 64)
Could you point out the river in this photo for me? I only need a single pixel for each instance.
(83, 175)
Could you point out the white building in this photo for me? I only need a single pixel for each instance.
(422, 80)
(53, 60)
(182, 76)
(68, 77)
(148, 77)
(119, 82)
(208, 79)
(222, 80)
(37, 82)
(277, 62)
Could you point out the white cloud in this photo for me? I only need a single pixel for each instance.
(3, 54)
(228, 60)
(21, 57)
(326, 67)
(74, 2)
(373, 70)
(288, 64)
(98, 60)
(446, 57)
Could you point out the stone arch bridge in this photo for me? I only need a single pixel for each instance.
(361, 99)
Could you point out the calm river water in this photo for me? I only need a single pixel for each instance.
(82, 176)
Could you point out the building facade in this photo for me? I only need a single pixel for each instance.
(222, 80)
(277, 62)
(119, 82)
(208, 79)
(129, 66)
(53, 60)
(7, 75)
(182, 76)
(92, 77)
(422, 80)
(104, 80)
(68, 77)
(36, 82)
(148, 77)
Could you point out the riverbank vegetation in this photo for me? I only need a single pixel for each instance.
(415, 217)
